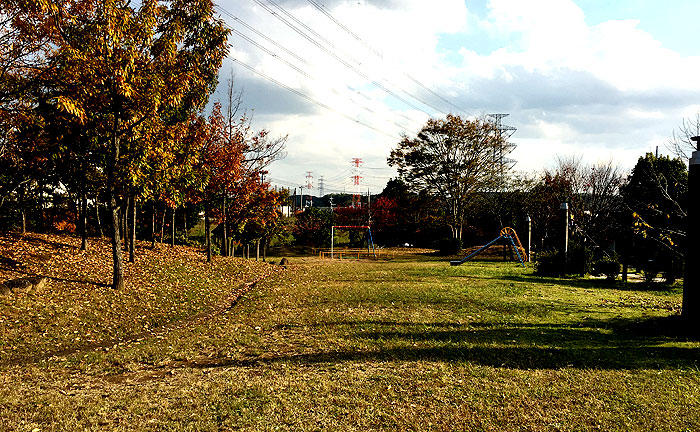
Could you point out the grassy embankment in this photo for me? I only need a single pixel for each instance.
(410, 344)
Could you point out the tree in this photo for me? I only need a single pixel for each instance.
(399, 216)
(451, 159)
(27, 31)
(313, 227)
(258, 149)
(655, 196)
(680, 142)
(127, 72)
(592, 193)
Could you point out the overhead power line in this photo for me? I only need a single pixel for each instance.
(262, 35)
(309, 29)
(307, 75)
(343, 61)
(262, 48)
(310, 99)
(327, 13)
(297, 68)
(434, 93)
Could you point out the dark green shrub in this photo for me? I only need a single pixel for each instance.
(608, 266)
(672, 269)
(549, 263)
(580, 259)
(650, 269)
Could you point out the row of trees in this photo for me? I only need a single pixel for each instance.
(102, 102)
(452, 165)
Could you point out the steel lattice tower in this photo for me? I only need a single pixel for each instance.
(309, 186)
(321, 188)
(356, 197)
(504, 133)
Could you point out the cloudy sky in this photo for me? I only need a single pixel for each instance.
(344, 79)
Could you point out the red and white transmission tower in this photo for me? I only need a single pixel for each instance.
(356, 197)
(309, 186)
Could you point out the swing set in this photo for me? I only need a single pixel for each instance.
(507, 234)
(370, 243)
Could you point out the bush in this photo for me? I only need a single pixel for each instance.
(672, 269)
(580, 259)
(449, 246)
(549, 263)
(650, 269)
(608, 266)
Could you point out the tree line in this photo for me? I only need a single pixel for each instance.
(102, 112)
(637, 217)
(452, 191)
(102, 106)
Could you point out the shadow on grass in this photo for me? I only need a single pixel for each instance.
(617, 344)
(36, 239)
(59, 279)
(588, 283)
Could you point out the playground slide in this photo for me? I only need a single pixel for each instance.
(507, 233)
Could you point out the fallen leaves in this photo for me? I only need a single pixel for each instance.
(78, 310)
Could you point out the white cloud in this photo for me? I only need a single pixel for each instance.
(607, 90)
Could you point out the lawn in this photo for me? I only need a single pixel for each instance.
(407, 344)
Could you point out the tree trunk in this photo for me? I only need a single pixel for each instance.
(153, 225)
(207, 230)
(117, 264)
(123, 210)
(172, 229)
(184, 218)
(162, 225)
(42, 218)
(22, 209)
(132, 231)
(224, 241)
(97, 216)
(257, 250)
(117, 267)
(83, 219)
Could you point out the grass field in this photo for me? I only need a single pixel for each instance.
(408, 344)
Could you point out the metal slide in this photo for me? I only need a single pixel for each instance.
(507, 233)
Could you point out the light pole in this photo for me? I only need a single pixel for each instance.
(691, 281)
(529, 237)
(565, 250)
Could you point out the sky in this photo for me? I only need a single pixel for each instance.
(343, 79)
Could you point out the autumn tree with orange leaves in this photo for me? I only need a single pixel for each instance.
(233, 161)
(128, 74)
(105, 99)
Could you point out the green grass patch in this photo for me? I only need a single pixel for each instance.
(408, 344)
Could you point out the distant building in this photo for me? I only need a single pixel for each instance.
(286, 211)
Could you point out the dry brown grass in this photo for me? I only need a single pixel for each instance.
(412, 344)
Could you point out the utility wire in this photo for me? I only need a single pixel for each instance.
(291, 65)
(434, 93)
(307, 75)
(262, 35)
(327, 13)
(309, 29)
(296, 68)
(341, 60)
(323, 10)
(309, 98)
